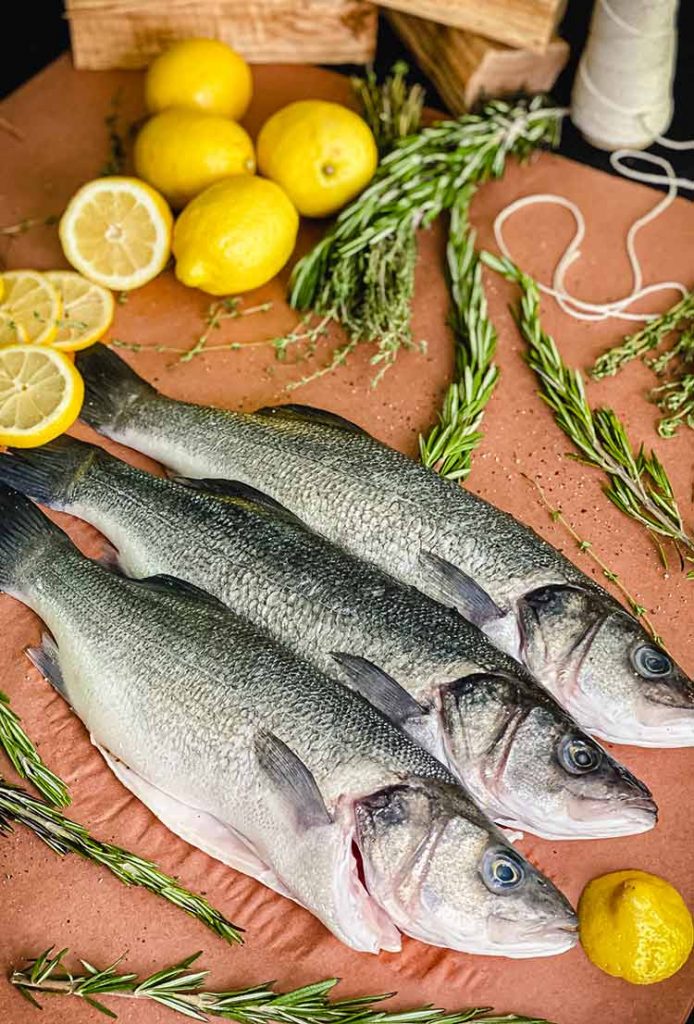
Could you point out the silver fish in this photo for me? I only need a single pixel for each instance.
(514, 748)
(531, 601)
(259, 759)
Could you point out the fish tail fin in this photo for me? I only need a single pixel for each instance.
(24, 532)
(48, 474)
(111, 387)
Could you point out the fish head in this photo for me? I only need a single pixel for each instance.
(446, 876)
(529, 764)
(605, 669)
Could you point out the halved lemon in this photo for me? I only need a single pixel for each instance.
(117, 232)
(41, 394)
(11, 331)
(33, 302)
(87, 310)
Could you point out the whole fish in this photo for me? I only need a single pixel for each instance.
(531, 601)
(257, 758)
(515, 749)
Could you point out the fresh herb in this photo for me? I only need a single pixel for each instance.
(362, 272)
(675, 397)
(66, 836)
(115, 161)
(586, 548)
(637, 481)
(22, 226)
(26, 759)
(228, 308)
(449, 445)
(393, 109)
(180, 988)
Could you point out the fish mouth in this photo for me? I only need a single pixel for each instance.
(658, 725)
(608, 819)
(506, 938)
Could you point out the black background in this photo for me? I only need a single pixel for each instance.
(37, 32)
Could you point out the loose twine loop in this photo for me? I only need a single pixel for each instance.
(601, 117)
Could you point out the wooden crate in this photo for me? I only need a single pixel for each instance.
(464, 66)
(128, 33)
(528, 24)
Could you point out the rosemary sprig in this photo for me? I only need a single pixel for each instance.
(180, 988)
(449, 445)
(361, 273)
(637, 482)
(643, 341)
(66, 836)
(26, 759)
(393, 109)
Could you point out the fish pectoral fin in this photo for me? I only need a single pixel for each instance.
(234, 490)
(309, 414)
(165, 584)
(290, 777)
(45, 658)
(454, 588)
(200, 829)
(380, 689)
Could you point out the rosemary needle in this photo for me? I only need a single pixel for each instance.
(180, 988)
(637, 482)
(26, 759)
(66, 836)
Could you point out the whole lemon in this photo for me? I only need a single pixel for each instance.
(202, 74)
(321, 153)
(180, 152)
(234, 236)
(635, 925)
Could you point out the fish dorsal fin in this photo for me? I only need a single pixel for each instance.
(165, 584)
(308, 414)
(290, 776)
(452, 587)
(45, 658)
(234, 489)
(380, 689)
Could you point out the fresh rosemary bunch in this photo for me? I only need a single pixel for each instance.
(449, 445)
(26, 759)
(66, 836)
(676, 396)
(361, 273)
(179, 988)
(393, 109)
(637, 481)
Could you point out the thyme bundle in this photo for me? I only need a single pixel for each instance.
(675, 397)
(63, 836)
(180, 988)
(637, 482)
(361, 274)
(449, 445)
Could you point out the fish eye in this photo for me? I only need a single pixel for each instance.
(502, 871)
(650, 662)
(578, 756)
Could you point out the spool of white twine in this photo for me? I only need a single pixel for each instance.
(622, 95)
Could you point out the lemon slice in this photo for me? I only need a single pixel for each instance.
(117, 232)
(41, 394)
(33, 302)
(11, 331)
(87, 310)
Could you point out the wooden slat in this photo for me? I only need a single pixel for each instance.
(464, 66)
(529, 24)
(128, 33)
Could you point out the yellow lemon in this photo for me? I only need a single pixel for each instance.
(234, 236)
(87, 310)
(635, 925)
(41, 394)
(180, 152)
(117, 232)
(32, 303)
(321, 153)
(203, 74)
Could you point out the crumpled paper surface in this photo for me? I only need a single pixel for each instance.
(59, 118)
